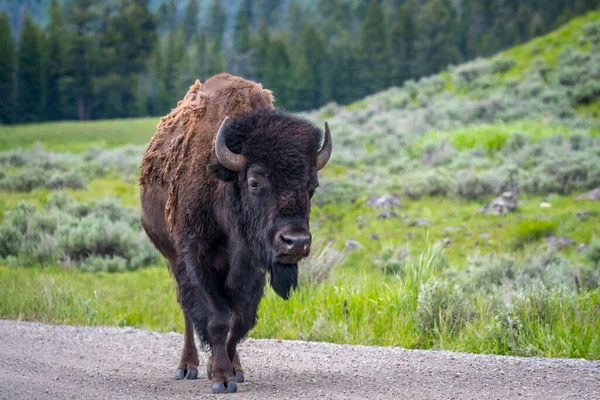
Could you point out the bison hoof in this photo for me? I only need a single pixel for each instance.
(239, 376)
(187, 374)
(191, 374)
(221, 387)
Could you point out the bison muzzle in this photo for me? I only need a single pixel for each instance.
(226, 184)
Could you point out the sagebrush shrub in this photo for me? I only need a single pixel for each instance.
(323, 259)
(593, 252)
(67, 232)
(25, 181)
(442, 306)
(390, 261)
(472, 185)
(337, 192)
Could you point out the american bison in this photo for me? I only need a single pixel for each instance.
(226, 184)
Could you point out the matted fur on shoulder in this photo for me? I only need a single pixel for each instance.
(172, 131)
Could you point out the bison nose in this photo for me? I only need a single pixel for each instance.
(295, 243)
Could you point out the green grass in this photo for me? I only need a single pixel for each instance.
(461, 222)
(493, 137)
(79, 136)
(368, 312)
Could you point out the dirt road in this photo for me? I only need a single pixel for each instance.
(60, 362)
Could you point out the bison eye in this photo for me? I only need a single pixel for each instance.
(253, 184)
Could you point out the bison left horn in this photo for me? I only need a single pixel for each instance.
(227, 158)
(325, 151)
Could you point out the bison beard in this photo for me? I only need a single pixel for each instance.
(283, 278)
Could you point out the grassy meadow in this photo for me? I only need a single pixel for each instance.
(432, 271)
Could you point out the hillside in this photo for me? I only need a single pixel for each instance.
(548, 87)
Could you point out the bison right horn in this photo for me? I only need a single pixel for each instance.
(230, 160)
(325, 151)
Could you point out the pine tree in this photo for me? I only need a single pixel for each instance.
(523, 20)
(7, 71)
(44, 62)
(55, 32)
(241, 37)
(261, 45)
(267, 10)
(190, 20)
(126, 39)
(302, 91)
(167, 14)
(174, 52)
(277, 71)
(295, 22)
(218, 18)
(437, 44)
(215, 64)
(29, 75)
(343, 62)
(202, 52)
(360, 9)
(80, 57)
(334, 18)
(374, 66)
(402, 45)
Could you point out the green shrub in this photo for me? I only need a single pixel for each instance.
(390, 261)
(562, 173)
(593, 252)
(25, 181)
(591, 30)
(502, 65)
(488, 272)
(68, 232)
(430, 183)
(337, 192)
(10, 240)
(67, 180)
(442, 307)
(323, 259)
(472, 185)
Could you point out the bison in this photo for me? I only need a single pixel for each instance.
(225, 187)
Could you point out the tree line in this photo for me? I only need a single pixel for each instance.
(118, 59)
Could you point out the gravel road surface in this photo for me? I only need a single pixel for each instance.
(66, 362)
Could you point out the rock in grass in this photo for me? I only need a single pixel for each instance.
(582, 214)
(559, 243)
(352, 244)
(385, 201)
(502, 205)
(387, 215)
(421, 222)
(591, 195)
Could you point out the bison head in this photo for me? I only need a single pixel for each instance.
(271, 160)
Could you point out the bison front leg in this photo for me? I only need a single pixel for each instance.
(244, 319)
(210, 314)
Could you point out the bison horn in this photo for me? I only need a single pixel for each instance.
(227, 158)
(325, 151)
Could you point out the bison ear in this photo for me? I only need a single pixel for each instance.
(220, 172)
